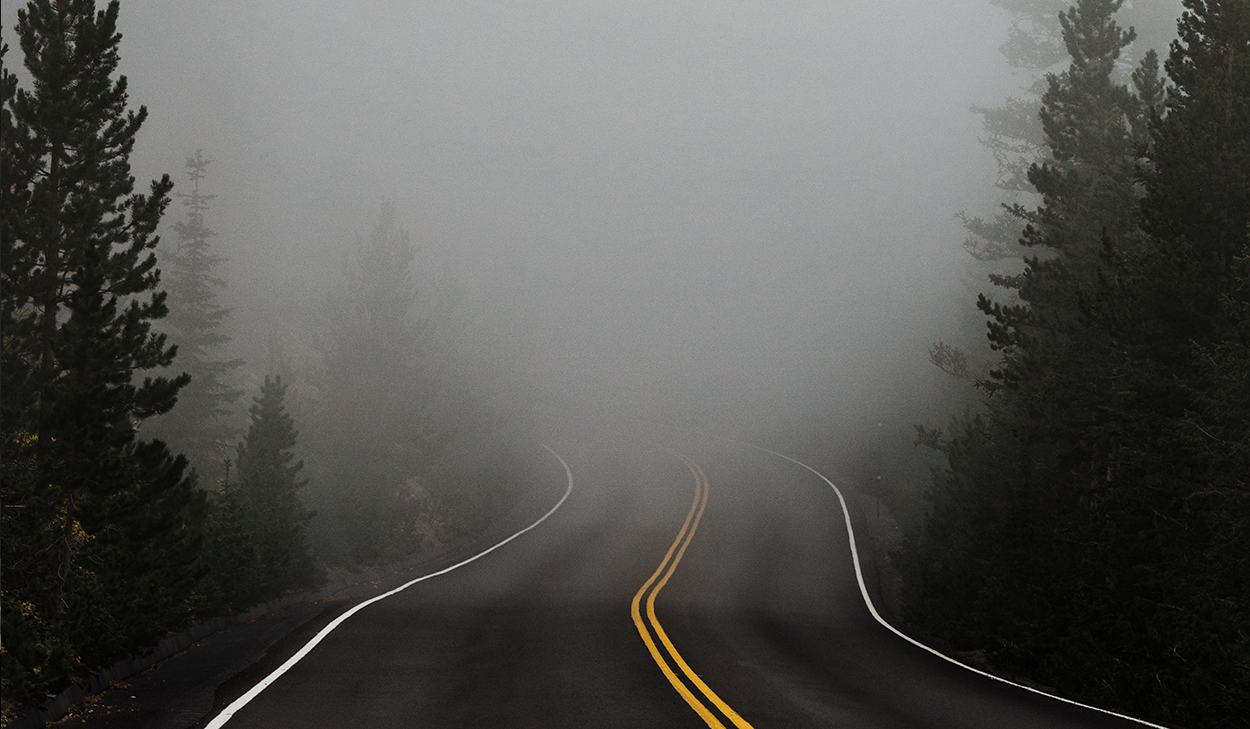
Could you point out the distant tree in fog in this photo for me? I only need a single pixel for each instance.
(1013, 134)
(199, 425)
(257, 545)
(1012, 131)
(372, 430)
(269, 485)
(1095, 128)
(415, 434)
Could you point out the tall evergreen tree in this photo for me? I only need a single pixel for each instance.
(1002, 563)
(1091, 529)
(1014, 134)
(1054, 358)
(1012, 130)
(199, 425)
(269, 488)
(372, 426)
(78, 297)
(1198, 181)
(1184, 446)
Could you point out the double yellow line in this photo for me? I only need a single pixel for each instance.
(652, 588)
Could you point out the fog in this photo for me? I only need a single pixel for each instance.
(727, 214)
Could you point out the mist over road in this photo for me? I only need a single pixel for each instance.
(762, 605)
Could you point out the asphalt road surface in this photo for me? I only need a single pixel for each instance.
(743, 558)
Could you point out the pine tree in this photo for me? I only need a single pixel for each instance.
(1003, 562)
(199, 425)
(77, 299)
(373, 433)
(1091, 529)
(229, 555)
(269, 488)
(1198, 184)
(1054, 358)
(1184, 446)
(1013, 132)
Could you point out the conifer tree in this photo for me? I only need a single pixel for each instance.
(1012, 130)
(234, 580)
(1052, 353)
(1181, 315)
(269, 486)
(373, 433)
(198, 426)
(1090, 530)
(1004, 563)
(1198, 183)
(78, 296)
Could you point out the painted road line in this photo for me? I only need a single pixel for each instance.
(226, 714)
(732, 715)
(659, 578)
(863, 591)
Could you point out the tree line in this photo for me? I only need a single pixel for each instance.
(1090, 526)
(136, 500)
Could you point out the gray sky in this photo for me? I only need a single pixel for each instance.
(732, 203)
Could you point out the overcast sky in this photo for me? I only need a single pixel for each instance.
(733, 201)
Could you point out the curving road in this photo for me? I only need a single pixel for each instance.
(682, 584)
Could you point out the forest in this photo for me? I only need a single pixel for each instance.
(1085, 526)
(1089, 525)
(144, 488)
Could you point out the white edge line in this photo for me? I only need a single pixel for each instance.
(226, 714)
(863, 590)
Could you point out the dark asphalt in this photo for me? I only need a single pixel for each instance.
(764, 607)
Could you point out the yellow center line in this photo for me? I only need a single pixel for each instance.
(675, 553)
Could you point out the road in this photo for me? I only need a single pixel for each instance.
(757, 596)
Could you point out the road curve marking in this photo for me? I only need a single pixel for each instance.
(227, 713)
(863, 591)
(675, 552)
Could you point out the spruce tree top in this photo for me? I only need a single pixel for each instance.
(1199, 182)
(67, 144)
(76, 237)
